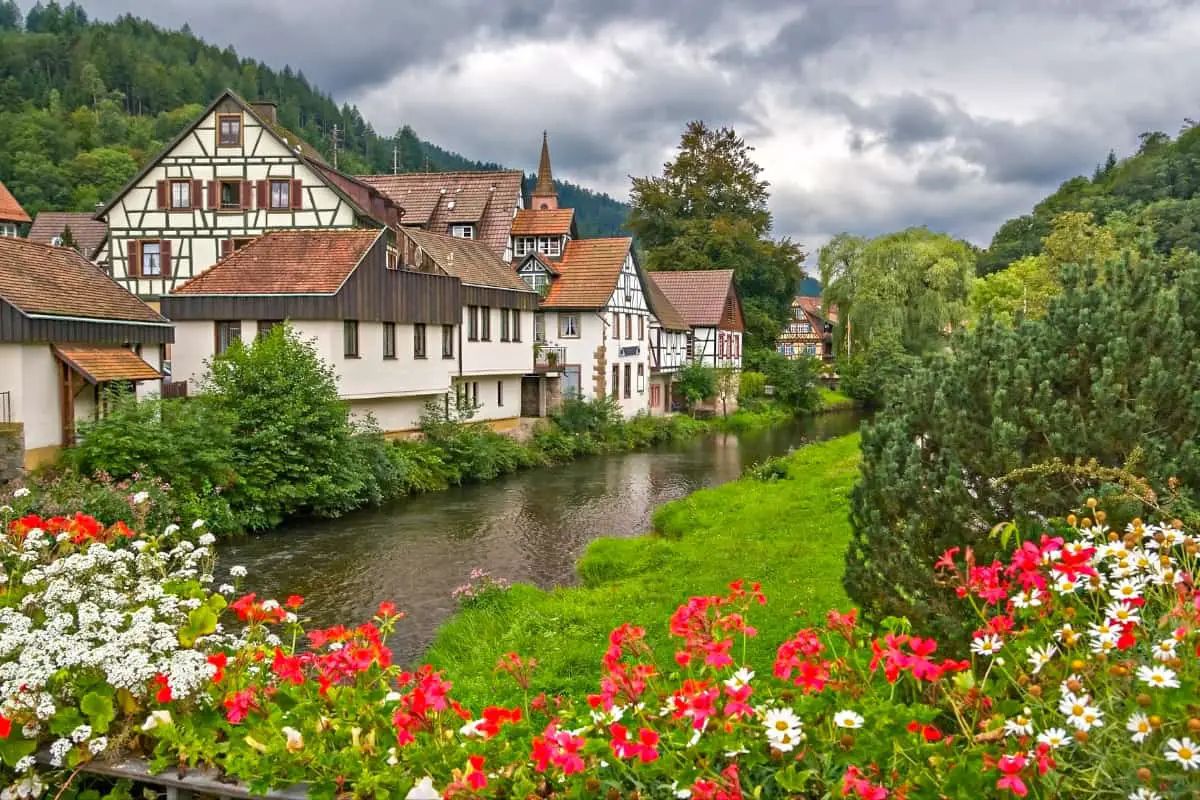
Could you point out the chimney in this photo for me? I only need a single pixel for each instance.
(266, 109)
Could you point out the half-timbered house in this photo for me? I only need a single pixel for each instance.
(12, 216)
(380, 325)
(232, 175)
(492, 346)
(68, 331)
(668, 349)
(809, 332)
(594, 321)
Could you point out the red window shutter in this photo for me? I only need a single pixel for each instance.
(247, 195)
(264, 194)
(296, 195)
(133, 258)
(164, 194)
(226, 247)
(197, 193)
(164, 257)
(214, 199)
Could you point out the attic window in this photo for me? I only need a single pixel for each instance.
(8, 229)
(463, 231)
(229, 130)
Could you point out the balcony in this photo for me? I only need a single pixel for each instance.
(549, 358)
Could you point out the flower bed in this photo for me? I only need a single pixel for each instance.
(1081, 683)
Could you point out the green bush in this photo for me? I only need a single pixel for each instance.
(598, 417)
(753, 386)
(867, 377)
(773, 468)
(697, 383)
(793, 381)
(1110, 374)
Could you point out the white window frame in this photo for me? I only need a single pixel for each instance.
(571, 330)
(8, 230)
(154, 269)
(286, 194)
(524, 245)
(549, 245)
(181, 195)
(462, 231)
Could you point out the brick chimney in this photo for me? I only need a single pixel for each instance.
(266, 109)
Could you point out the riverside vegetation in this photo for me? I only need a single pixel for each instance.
(268, 439)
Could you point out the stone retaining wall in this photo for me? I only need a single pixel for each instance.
(12, 451)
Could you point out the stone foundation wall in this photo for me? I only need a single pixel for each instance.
(12, 451)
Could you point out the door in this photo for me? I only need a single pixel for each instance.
(570, 382)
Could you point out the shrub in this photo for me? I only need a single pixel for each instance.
(697, 383)
(597, 417)
(1110, 374)
(769, 470)
(868, 377)
(794, 381)
(753, 386)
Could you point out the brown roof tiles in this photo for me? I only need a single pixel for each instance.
(812, 305)
(588, 273)
(87, 231)
(57, 281)
(699, 295)
(10, 209)
(551, 222)
(470, 261)
(435, 200)
(287, 262)
(667, 314)
(99, 364)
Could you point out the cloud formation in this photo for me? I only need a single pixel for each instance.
(867, 115)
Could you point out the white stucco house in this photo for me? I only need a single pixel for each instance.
(668, 349)
(68, 331)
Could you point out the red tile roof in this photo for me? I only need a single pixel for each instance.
(99, 364)
(287, 262)
(588, 273)
(10, 209)
(812, 305)
(700, 295)
(435, 200)
(552, 222)
(470, 261)
(57, 281)
(667, 314)
(87, 231)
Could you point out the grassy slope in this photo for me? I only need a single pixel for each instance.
(791, 535)
(833, 400)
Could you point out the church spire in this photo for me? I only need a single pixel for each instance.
(544, 195)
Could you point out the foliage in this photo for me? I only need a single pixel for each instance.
(578, 416)
(1109, 374)
(832, 400)
(793, 381)
(909, 287)
(768, 470)
(84, 103)
(696, 384)
(1066, 692)
(868, 377)
(708, 210)
(753, 385)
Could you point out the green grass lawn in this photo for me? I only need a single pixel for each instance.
(832, 400)
(791, 535)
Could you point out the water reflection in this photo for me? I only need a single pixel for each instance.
(529, 527)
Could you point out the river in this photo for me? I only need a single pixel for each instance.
(528, 527)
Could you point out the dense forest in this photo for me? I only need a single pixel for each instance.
(83, 104)
(1156, 190)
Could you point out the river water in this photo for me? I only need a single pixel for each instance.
(528, 527)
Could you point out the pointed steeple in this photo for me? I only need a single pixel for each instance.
(544, 195)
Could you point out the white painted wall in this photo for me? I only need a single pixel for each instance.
(707, 349)
(492, 402)
(495, 357)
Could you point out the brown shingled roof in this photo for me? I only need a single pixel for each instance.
(99, 364)
(485, 199)
(551, 222)
(287, 262)
(10, 209)
(667, 314)
(87, 231)
(700, 295)
(588, 273)
(38, 279)
(812, 305)
(473, 262)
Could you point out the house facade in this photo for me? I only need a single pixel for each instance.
(67, 332)
(810, 331)
(492, 346)
(668, 350)
(12, 216)
(382, 325)
(229, 177)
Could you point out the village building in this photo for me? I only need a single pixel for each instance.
(810, 330)
(67, 333)
(388, 330)
(229, 177)
(492, 345)
(479, 206)
(12, 216)
(79, 229)
(668, 349)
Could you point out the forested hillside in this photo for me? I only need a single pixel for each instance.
(1156, 190)
(83, 104)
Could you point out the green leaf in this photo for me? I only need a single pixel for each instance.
(792, 779)
(13, 749)
(201, 622)
(99, 710)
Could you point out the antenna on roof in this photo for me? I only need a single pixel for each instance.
(395, 159)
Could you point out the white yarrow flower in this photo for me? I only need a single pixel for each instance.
(140, 497)
(238, 571)
(198, 524)
(22, 492)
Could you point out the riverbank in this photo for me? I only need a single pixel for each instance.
(790, 534)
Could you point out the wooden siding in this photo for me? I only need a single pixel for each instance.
(499, 298)
(17, 327)
(372, 293)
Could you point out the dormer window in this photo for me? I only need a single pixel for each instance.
(536, 280)
(8, 229)
(463, 231)
(546, 245)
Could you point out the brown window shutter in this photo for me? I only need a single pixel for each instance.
(247, 195)
(164, 257)
(296, 195)
(226, 247)
(197, 193)
(264, 194)
(133, 256)
(164, 194)
(214, 199)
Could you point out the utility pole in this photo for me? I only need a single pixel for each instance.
(335, 145)
(395, 159)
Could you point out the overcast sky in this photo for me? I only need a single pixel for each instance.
(867, 115)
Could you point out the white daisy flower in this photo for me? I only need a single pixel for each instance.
(1020, 725)
(1183, 752)
(1040, 657)
(1139, 726)
(1158, 677)
(1164, 650)
(1054, 738)
(848, 719)
(1121, 613)
(987, 645)
(781, 719)
(740, 679)
(1065, 584)
(1081, 714)
(1126, 589)
(784, 741)
(1030, 598)
(1144, 794)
